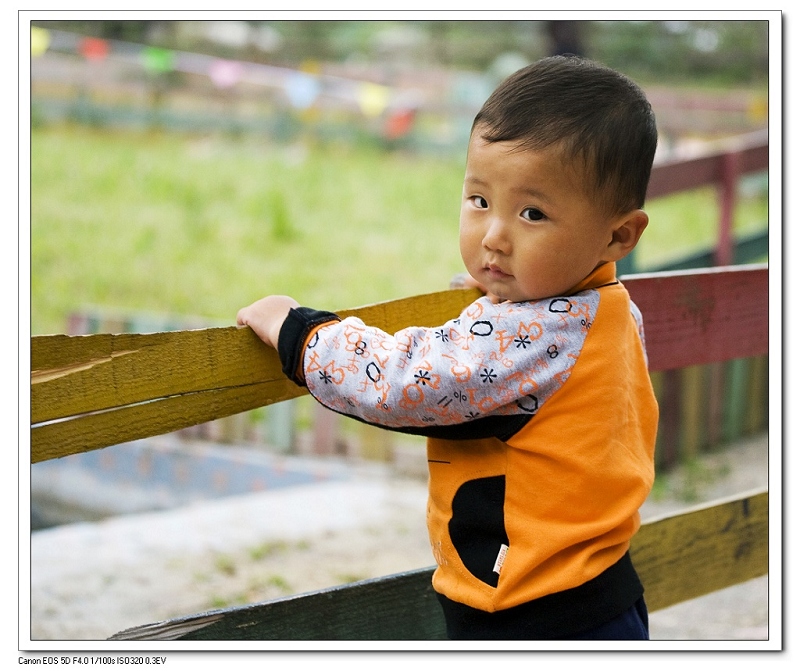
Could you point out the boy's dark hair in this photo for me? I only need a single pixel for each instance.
(599, 115)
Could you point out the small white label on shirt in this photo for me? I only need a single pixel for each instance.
(501, 557)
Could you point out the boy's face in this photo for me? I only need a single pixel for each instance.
(528, 228)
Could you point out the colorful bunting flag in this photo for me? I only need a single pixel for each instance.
(399, 123)
(93, 48)
(302, 90)
(225, 74)
(373, 99)
(158, 60)
(301, 87)
(40, 40)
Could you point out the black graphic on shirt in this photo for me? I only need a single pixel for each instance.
(477, 528)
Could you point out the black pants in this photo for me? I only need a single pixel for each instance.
(632, 625)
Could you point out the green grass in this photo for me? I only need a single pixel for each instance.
(204, 225)
(688, 221)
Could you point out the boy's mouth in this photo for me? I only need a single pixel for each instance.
(495, 272)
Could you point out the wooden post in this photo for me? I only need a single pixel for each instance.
(326, 425)
(757, 395)
(724, 256)
(735, 399)
(693, 411)
(728, 187)
(375, 443)
(669, 427)
(279, 426)
(716, 403)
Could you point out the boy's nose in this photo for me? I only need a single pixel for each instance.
(496, 236)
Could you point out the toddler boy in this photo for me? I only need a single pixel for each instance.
(536, 400)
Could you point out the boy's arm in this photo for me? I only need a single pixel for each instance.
(487, 371)
(267, 315)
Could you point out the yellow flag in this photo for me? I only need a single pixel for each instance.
(40, 41)
(373, 99)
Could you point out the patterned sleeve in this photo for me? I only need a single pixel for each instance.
(490, 369)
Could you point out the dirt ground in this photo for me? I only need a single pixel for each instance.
(91, 580)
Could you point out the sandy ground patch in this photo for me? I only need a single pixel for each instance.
(89, 581)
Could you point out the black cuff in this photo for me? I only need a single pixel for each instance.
(294, 331)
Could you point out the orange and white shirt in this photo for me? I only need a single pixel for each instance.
(541, 421)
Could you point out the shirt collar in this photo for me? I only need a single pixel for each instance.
(603, 274)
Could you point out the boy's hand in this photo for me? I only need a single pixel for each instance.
(467, 281)
(266, 316)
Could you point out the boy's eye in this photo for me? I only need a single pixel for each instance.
(532, 214)
(479, 202)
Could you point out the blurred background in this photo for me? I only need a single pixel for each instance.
(182, 169)
(190, 167)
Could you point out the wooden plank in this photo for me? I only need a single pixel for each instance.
(120, 425)
(391, 608)
(78, 374)
(671, 176)
(426, 310)
(113, 388)
(679, 557)
(110, 389)
(702, 316)
(703, 550)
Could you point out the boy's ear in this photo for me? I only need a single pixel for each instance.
(626, 233)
